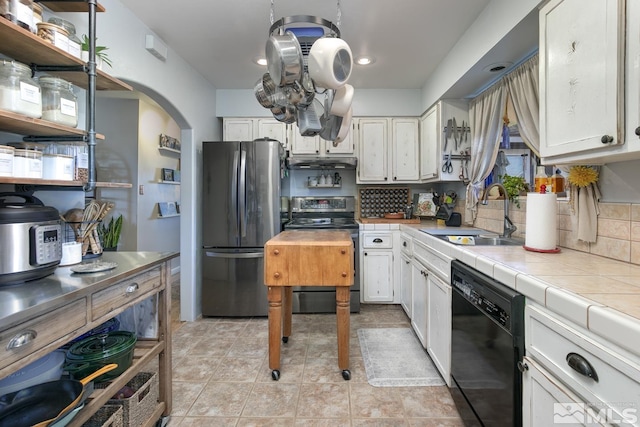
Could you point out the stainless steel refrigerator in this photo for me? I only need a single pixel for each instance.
(240, 212)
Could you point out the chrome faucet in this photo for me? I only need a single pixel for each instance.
(509, 228)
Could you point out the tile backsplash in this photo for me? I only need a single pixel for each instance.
(618, 227)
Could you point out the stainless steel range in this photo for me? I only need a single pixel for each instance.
(328, 213)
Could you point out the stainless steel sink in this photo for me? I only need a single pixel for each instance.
(480, 240)
(497, 241)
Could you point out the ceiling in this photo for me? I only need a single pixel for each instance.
(408, 38)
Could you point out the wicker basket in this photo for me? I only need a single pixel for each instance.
(139, 407)
(107, 416)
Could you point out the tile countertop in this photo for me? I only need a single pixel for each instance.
(597, 293)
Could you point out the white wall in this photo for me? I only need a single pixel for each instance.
(366, 102)
(495, 21)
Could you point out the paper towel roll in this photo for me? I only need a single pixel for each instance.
(541, 221)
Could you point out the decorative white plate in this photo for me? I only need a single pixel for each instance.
(94, 267)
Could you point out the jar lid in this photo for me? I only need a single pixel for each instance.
(31, 154)
(32, 146)
(99, 347)
(49, 25)
(15, 64)
(53, 80)
(63, 23)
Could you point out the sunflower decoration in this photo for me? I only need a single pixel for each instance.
(582, 176)
(584, 199)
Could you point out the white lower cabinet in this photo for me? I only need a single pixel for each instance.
(548, 402)
(419, 307)
(406, 288)
(377, 266)
(595, 381)
(439, 325)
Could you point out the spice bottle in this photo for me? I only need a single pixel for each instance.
(557, 182)
(19, 93)
(59, 104)
(540, 179)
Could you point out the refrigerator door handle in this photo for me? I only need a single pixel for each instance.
(234, 186)
(243, 194)
(234, 255)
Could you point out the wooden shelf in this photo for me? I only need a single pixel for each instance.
(70, 6)
(325, 186)
(18, 123)
(61, 183)
(169, 150)
(28, 48)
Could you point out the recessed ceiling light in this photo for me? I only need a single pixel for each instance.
(260, 60)
(498, 66)
(365, 60)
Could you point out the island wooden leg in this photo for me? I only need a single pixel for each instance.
(274, 296)
(342, 315)
(288, 312)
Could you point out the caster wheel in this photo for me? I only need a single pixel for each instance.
(275, 375)
(346, 374)
(285, 339)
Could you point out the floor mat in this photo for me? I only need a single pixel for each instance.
(393, 357)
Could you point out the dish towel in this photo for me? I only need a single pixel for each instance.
(584, 201)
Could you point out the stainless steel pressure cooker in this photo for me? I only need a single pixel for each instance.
(30, 238)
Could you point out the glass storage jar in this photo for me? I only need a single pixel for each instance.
(19, 12)
(54, 34)
(59, 104)
(75, 45)
(19, 93)
(27, 164)
(37, 17)
(6, 160)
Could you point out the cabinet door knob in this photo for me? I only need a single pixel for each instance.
(522, 367)
(317, 151)
(365, 254)
(385, 178)
(276, 275)
(606, 139)
(131, 288)
(276, 252)
(404, 244)
(21, 339)
(581, 365)
(344, 274)
(343, 251)
(395, 178)
(638, 131)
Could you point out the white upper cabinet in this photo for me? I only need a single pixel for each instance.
(388, 150)
(434, 143)
(250, 128)
(316, 146)
(237, 129)
(584, 47)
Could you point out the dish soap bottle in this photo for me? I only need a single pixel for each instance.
(557, 182)
(540, 179)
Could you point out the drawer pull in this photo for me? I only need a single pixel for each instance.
(404, 244)
(131, 288)
(22, 339)
(377, 240)
(581, 366)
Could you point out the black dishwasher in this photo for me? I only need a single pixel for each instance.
(487, 342)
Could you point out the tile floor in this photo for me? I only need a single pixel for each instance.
(221, 377)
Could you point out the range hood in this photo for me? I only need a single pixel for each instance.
(313, 162)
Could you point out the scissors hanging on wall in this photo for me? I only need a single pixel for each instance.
(447, 166)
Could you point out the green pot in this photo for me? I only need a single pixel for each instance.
(92, 353)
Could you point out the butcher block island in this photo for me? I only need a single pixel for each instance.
(307, 258)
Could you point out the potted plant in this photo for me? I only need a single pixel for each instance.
(101, 56)
(515, 185)
(110, 235)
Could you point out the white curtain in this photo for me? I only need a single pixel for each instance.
(485, 120)
(523, 92)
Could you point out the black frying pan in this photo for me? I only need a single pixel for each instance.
(42, 404)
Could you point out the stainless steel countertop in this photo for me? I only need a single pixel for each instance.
(19, 303)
